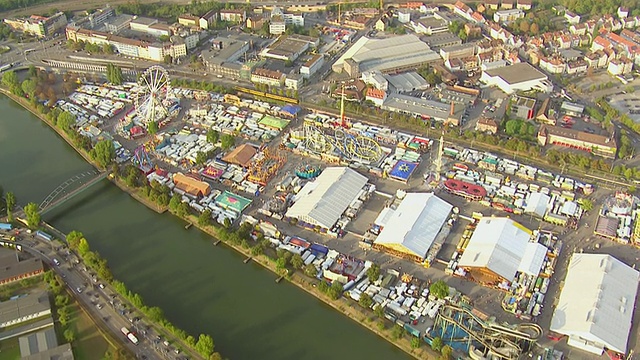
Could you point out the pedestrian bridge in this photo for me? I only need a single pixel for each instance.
(61, 194)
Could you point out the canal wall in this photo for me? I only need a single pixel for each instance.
(346, 307)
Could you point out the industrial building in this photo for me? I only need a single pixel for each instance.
(390, 55)
(498, 249)
(13, 268)
(424, 108)
(43, 345)
(289, 47)
(601, 145)
(413, 226)
(323, 201)
(597, 302)
(25, 308)
(224, 55)
(39, 26)
(517, 77)
(405, 82)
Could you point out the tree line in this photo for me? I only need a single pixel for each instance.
(78, 243)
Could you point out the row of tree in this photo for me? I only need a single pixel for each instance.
(77, 242)
(62, 303)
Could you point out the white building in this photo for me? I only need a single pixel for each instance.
(619, 67)
(596, 305)
(415, 224)
(503, 16)
(520, 76)
(501, 247)
(311, 66)
(323, 201)
(26, 308)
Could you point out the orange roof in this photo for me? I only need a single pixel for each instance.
(375, 93)
(191, 185)
(241, 155)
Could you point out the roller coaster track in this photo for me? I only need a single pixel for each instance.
(493, 337)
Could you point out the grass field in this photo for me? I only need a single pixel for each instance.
(89, 344)
(10, 349)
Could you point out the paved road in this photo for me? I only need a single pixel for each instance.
(101, 301)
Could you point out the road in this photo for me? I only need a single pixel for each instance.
(99, 299)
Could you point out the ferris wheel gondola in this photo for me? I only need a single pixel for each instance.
(154, 88)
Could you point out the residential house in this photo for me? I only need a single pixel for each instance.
(546, 114)
(376, 96)
(429, 25)
(207, 20)
(553, 65)
(623, 12)
(564, 41)
(477, 18)
(505, 16)
(572, 18)
(506, 4)
(383, 23)
(492, 4)
(277, 26)
(472, 31)
(576, 67)
(620, 66)
(462, 10)
(255, 22)
(232, 15)
(578, 29)
(487, 125)
(293, 81)
(267, 77)
(524, 4)
(480, 8)
(596, 59)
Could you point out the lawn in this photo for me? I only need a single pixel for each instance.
(10, 349)
(89, 344)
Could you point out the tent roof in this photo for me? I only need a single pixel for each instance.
(597, 301)
(241, 155)
(323, 200)
(537, 204)
(416, 223)
(497, 244)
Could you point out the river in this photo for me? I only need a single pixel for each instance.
(200, 287)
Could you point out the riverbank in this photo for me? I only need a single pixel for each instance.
(345, 306)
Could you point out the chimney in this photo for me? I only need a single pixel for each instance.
(453, 108)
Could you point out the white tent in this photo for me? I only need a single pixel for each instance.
(597, 302)
(536, 204)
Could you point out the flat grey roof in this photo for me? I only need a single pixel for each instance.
(434, 109)
(24, 306)
(517, 73)
(407, 81)
(229, 48)
(38, 342)
(119, 19)
(11, 266)
(144, 20)
(62, 352)
(441, 39)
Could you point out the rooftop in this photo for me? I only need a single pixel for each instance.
(62, 352)
(38, 342)
(574, 134)
(24, 306)
(11, 266)
(441, 39)
(407, 81)
(517, 73)
(414, 105)
(143, 20)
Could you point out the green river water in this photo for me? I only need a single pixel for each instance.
(200, 287)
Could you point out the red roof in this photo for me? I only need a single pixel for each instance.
(375, 93)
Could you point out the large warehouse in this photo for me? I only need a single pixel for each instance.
(596, 305)
(517, 77)
(321, 202)
(414, 225)
(393, 54)
(499, 248)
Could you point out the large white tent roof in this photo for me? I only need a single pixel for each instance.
(537, 204)
(597, 302)
(416, 222)
(322, 201)
(497, 244)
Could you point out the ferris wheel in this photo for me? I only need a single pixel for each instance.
(154, 87)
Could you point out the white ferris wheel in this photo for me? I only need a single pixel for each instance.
(154, 88)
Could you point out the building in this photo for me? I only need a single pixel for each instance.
(13, 268)
(311, 66)
(18, 310)
(522, 107)
(596, 304)
(393, 54)
(423, 108)
(553, 65)
(241, 155)
(506, 16)
(191, 186)
(39, 26)
(62, 352)
(293, 81)
(376, 96)
(44, 345)
(406, 82)
(492, 4)
(323, 201)
(596, 144)
(572, 109)
(429, 25)
(255, 22)
(289, 47)
(524, 4)
(499, 248)
(572, 18)
(99, 17)
(277, 26)
(189, 20)
(233, 15)
(487, 125)
(268, 77)
(517, 77)
(458, 51)
(207, 20)
(118, 23)
(546, 114)
(414, 225)
(620, 67)
(444, 39)
(222, 58)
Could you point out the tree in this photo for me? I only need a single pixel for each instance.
(373, 273)
(168, 59)
(365, 301)
(446, 352)
(310, 270)
(114, 74)
(439, 289)
(65, 121)
(83, 247)
(436, 344)
(205, 218)
(415, 342)
(29, 87)
(69, 335)
(10, 79)
(182, 210)
(586, 204)
(33, 72)
(175, 202)
(152, 128)
(10, 200)
(524, 26)
(33, 215)
(205, 345)
(202, 157)
(213, 136)
(336, 290)
(297, 262)
(103, 153)
(227, 141)
(397, 332)
(73, 239)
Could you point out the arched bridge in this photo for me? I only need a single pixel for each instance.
(60, 195)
